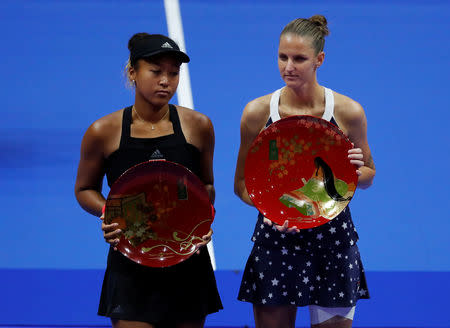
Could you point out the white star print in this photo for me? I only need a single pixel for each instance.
(262, 226)
(270, 295)
(284, 293)
(344, 225)
(284, 251)
(337, 242)
(263, 301)
(339, 255)
(311, 288)
(283, 235)
(306, 280)
(318, 278)
(308, 263)
(256, 258)
(254, 286)
(362, 292)
(350, 266)
(299, 294)
(261, 275)
(351, 242)
(267, 235)
(332, 230)
(341, 294)
(319, 236)
(275, 282)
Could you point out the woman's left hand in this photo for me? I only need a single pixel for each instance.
(355, 155)
(206, 239)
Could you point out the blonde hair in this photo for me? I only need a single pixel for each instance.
(126, 74)
(314, 28)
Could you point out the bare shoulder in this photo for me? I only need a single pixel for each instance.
(257, 112)
(193, 118)
(104, 126)
(347, 110)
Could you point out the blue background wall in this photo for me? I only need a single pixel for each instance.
(62, 62)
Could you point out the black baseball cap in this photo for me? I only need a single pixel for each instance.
(155, 44)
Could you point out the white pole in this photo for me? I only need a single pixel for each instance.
(184, 92)
(175, 27)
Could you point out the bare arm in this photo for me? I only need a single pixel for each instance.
(88, 184)
(356, 125)
(207, 139)
(206, 157)
(253, 120)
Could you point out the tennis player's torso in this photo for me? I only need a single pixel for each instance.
(132, 151)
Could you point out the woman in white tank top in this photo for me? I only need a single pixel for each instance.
(300, 54)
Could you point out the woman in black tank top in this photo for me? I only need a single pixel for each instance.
(134, 295)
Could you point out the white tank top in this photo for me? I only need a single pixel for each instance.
(327, 114)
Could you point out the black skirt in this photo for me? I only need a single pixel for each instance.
(183, 292)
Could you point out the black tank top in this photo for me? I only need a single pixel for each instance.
(132, 151)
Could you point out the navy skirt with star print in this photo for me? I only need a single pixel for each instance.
(319, 266)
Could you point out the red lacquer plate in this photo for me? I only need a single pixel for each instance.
(297, 169)
(163, 210)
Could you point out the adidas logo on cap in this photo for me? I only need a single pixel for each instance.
(166, 45)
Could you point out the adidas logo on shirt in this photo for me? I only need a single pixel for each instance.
(166, 45)
(156, 155)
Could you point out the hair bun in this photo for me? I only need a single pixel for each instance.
(321, 22)
(136, 37)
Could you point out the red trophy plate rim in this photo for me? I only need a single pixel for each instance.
(163, 209)
(287, 171)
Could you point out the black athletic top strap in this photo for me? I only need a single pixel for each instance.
(127, 120)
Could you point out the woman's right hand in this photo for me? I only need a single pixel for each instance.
(281, 228)
(111, 233)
